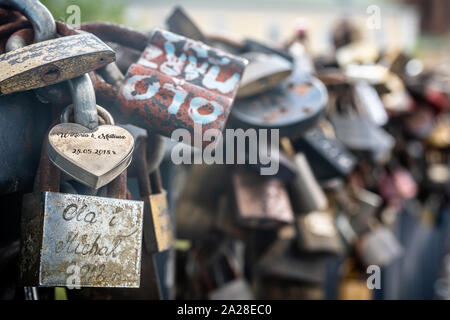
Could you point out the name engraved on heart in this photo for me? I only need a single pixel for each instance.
(101, 237)
(90, 156)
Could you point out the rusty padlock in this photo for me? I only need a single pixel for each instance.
(180, 83)
(79, 241)
(158, 230)
(261, 201)
(50, 60)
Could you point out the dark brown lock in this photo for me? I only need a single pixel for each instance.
(317, 233)
(199, 201)
(229, 283)
(283, 260)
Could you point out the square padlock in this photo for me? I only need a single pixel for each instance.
(179, 83)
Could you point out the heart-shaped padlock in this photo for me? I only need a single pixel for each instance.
(92, 157)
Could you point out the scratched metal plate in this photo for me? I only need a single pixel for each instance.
(100, 236)
(52, 61)
(158, 231)
(179, 82)
(293, 107)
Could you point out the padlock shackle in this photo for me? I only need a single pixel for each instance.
(118, 34)
(156, 181)
(41, 19)
(83, 98)
(103, 115)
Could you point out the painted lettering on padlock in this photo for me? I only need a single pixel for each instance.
(178, 82)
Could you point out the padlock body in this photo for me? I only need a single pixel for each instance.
(317, 233)
(77, 240)
(49, 62)
(261, 201)
(158, 231)
(179, 83)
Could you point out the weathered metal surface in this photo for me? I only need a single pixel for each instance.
(282, 260)
(292, 108)
(329, 156)
(180, 23)
(264, 72)
(308, 195)
(178, 83)
(318, 234)
(52, 61)
(40, 17)
(158, 231)
(261, 201)
(93, 157)
(85, 240)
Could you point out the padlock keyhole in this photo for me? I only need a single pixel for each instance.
(51, 73)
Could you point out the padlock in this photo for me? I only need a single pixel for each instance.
(282, 260)
(76, 240)
(293, 107)
(307, 195)
(230, 284)
(199, 201)
(359, 133)
(92, 157)
(317, 233)
(179, 23)
(379, 247)
(257, 46)
(261, 201)
(158, 230)
(368, 102)
(328, 157)
(368, 204)
(264, 72)
(49, 60)
(179, 83)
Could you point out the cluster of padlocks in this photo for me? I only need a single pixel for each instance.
(86, 116)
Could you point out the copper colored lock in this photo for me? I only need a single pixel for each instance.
(261, 201)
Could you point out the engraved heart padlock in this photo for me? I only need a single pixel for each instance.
(92, 157)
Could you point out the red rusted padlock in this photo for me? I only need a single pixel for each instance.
(180, 83)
